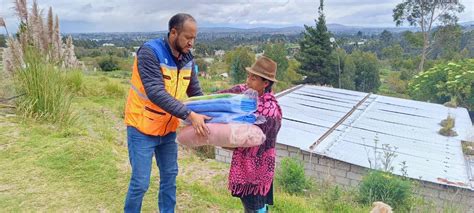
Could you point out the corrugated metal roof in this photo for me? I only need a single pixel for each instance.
(409, 128)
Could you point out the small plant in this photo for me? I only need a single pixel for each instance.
(291, 176)
(382, 160)
(404, 169)
(332, 201)
(447, 127)
(451, 104)
(383, 186)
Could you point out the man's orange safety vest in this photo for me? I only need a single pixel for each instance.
(143, 114)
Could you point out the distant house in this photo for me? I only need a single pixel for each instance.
(258, 55)
(224, 75)
(336, 132)
(209, 60)
(108, 45)
(219, 53)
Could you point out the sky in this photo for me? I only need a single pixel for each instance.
(148, 15)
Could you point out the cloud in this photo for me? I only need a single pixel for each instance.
(153, 15)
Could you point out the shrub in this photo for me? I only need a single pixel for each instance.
(332, 201)
(75, 80)
(396, 83)
(114, 89)
(46, 92)
(382, 186)
(109, 64)
(445, 82)
(291, 176)
(447, 127)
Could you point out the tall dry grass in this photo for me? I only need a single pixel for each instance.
(47, 95)
(37, 60)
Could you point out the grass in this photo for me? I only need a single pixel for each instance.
(84, 167)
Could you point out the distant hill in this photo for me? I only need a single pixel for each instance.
(334, 28)
(294, 29)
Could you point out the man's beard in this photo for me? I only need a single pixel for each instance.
(177, 47)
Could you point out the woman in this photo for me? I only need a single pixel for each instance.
(252, 169)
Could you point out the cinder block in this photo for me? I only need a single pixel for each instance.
(359, 169)
(296, 155)
(281, 147)
(354, 176)
(293, 149)
(326, 162)
(321, 168)
(307, 157)
(428, 192)
(312, 173)
(342, 181)
(338, 172)
(342, 165)
(354, 183)
(220, 158)
(282, 153)
(308, 166)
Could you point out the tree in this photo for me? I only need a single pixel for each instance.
(467, 43)
(347, 70)
(425, 13)
(315, 52)
(367, 71)
(447, 42)
(202, 49)
(386, 38)
(240, 58)
(277, 52)
(451, 81)
(292, 74)
(394, 53)
(202, 64)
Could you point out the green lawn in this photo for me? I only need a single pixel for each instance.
(85, 167)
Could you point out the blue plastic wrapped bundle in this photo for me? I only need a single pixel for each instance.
(233, 103)
(226, 108)
(229, 117)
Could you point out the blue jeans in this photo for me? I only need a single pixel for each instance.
(141, 148)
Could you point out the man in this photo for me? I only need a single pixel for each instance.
(163, 73)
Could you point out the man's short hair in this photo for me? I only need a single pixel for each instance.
(178, 20)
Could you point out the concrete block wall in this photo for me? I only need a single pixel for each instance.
(348, 175)
(223, 155)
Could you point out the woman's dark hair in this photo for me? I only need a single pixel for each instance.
(178, 20)
(270, 84)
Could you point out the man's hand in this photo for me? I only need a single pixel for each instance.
(197, 120)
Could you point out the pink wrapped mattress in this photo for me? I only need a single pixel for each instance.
(223, 135)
